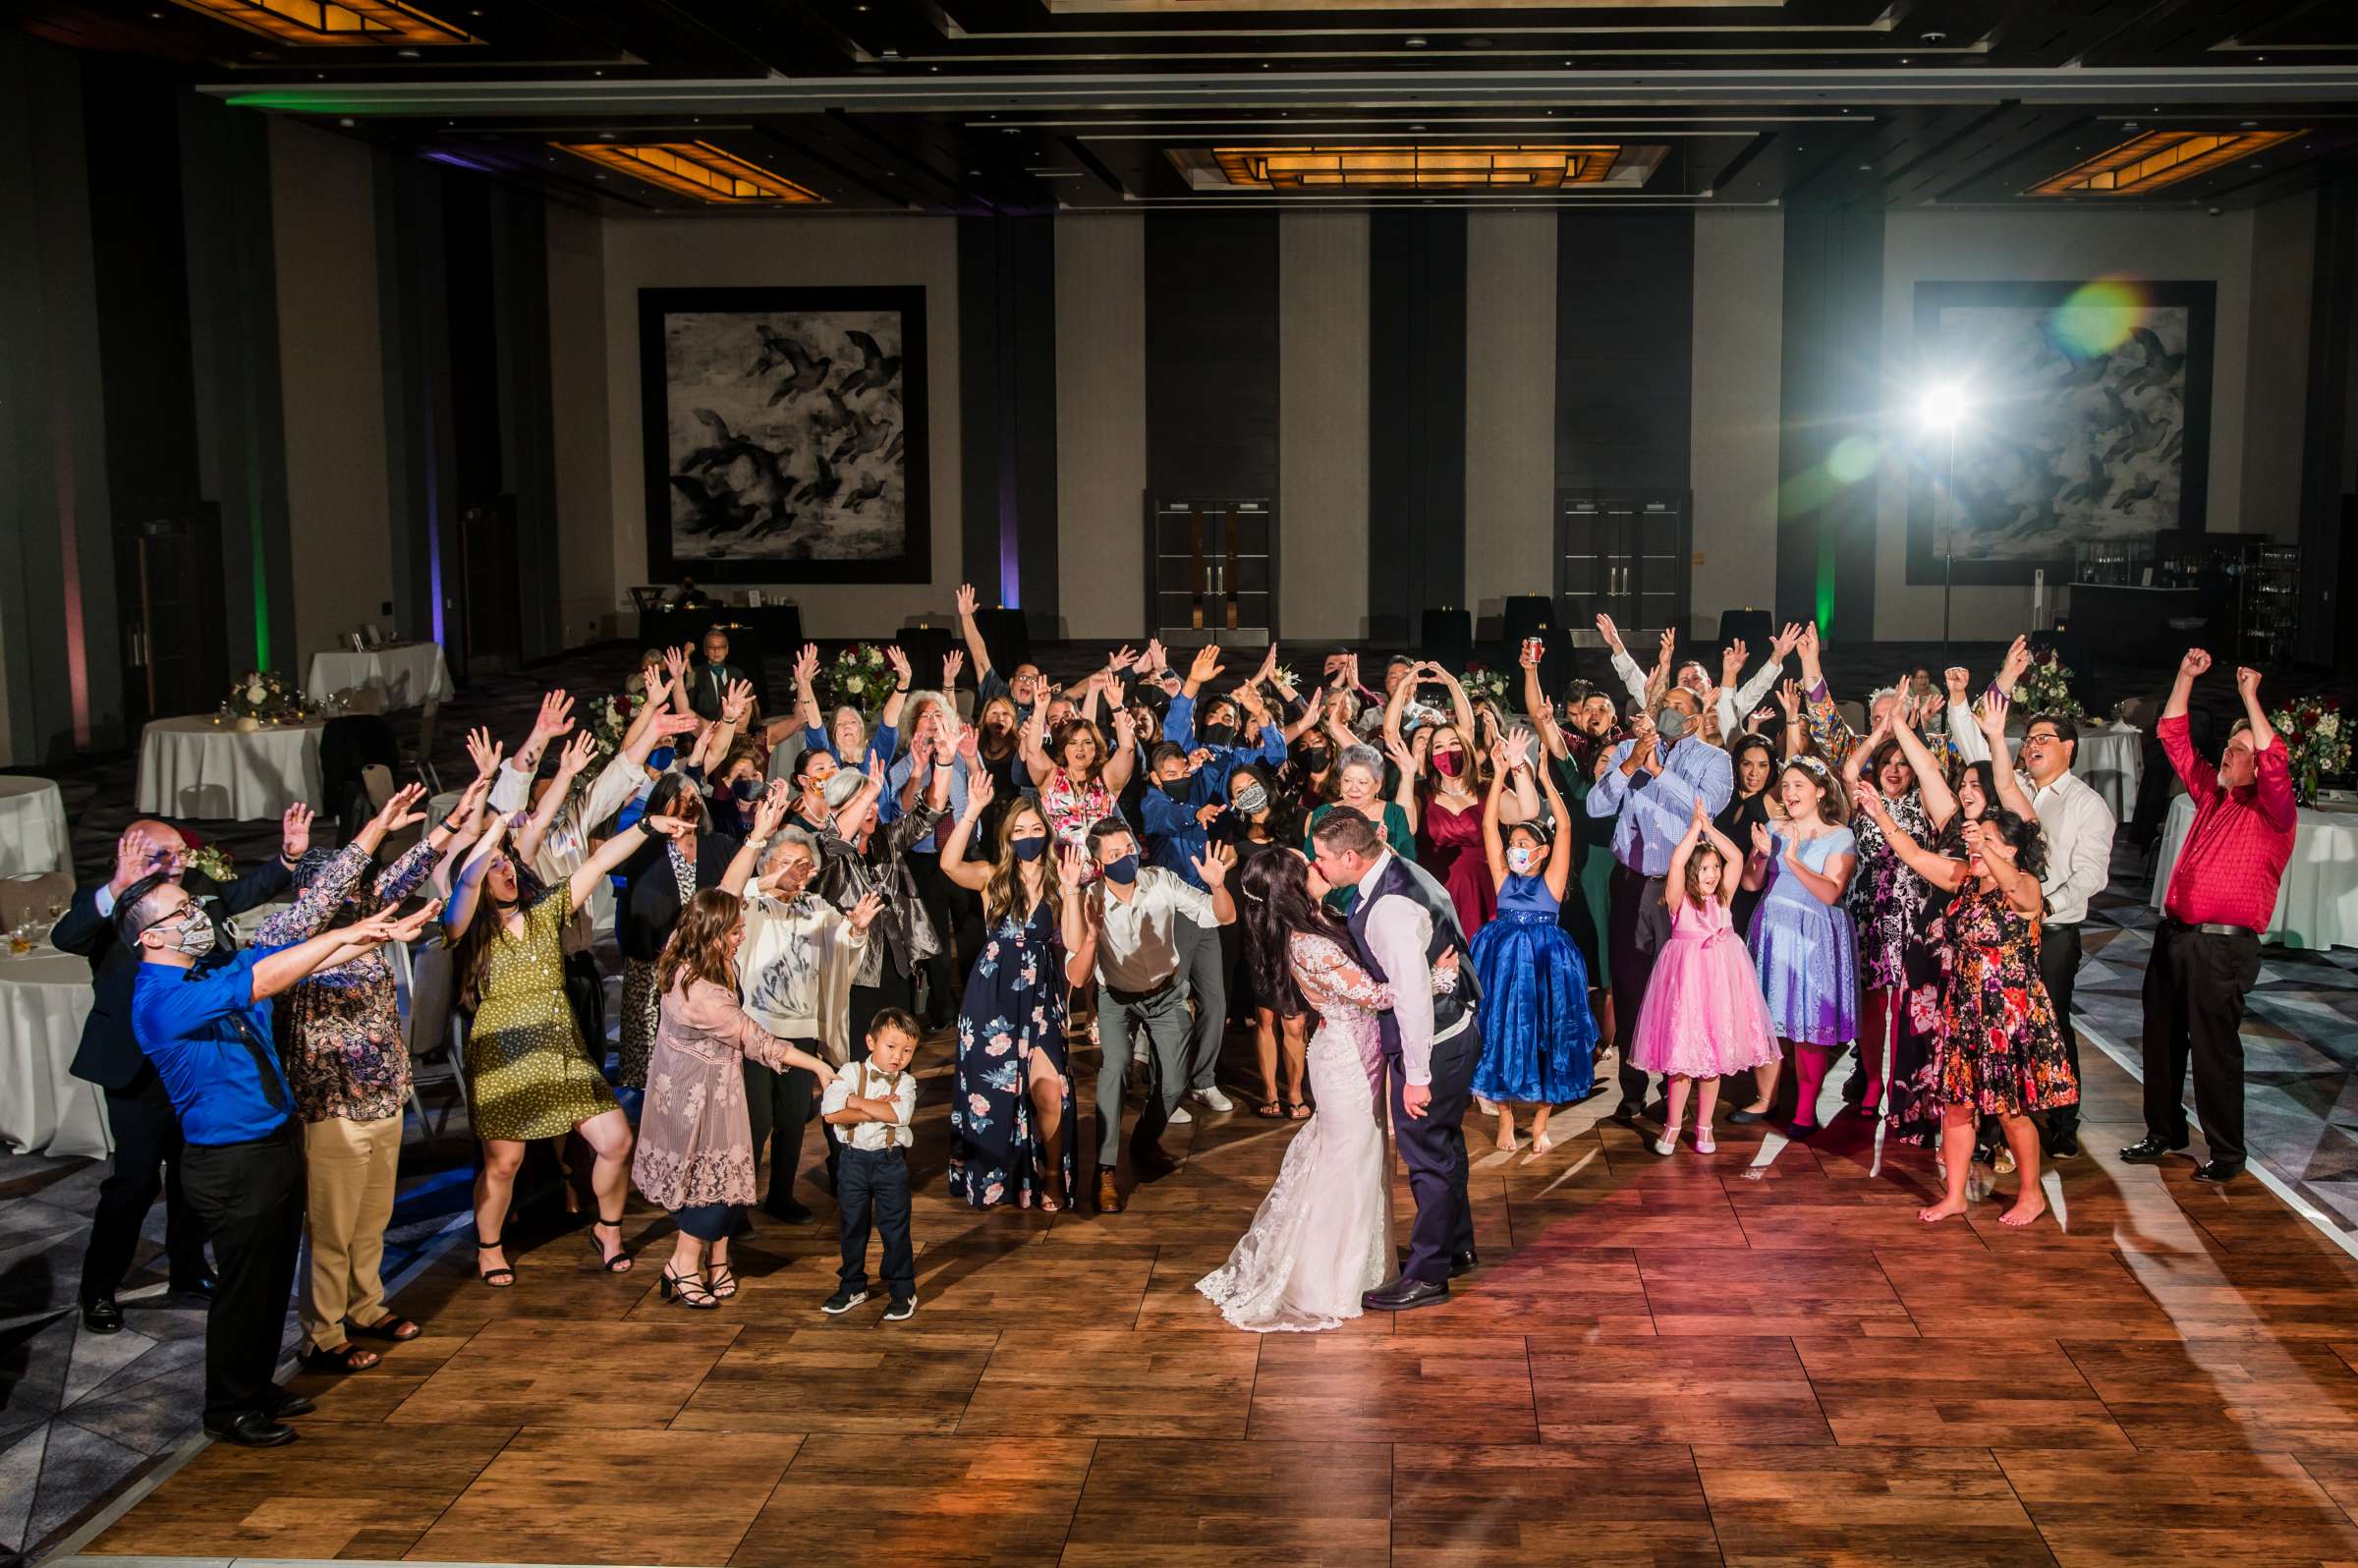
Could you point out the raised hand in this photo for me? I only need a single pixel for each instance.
(1993, 714)
(1958, 678)
(805, 664)
(899, 663)
(735, 701)
(978, 790)
(951, 666)
(1215, 865)
(674, 723)
(1121, 659)
(1788, 698)
(966, 598)
(1517, 746)
(1114, 692)
(1731, 663)
(1870, 798)
(577, 755)
(1208, 812)
(1072, 867)
(400, 812)
(675, 663)
(1806, 644)
(2247, 683)
(1670, 647)
(876, 771)
(484, 754)
(1399, 753)
(667, 826)
(136, 856)
(2195, 665)
(294, 831)
(1784, 641)
(555, 717)
(1125, 728)
(1268, 667)
(1699, 818)
(1612, 633)
(1207, 665)
(1763, 845)
(864, 914)
(769, 811)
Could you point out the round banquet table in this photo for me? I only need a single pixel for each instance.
(409, 673)
(2111, 757)
(195, 768)
(32, 827)
(44, 995)
(2317, 903)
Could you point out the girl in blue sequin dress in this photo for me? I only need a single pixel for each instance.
(1538, 1035)
(1801, 939)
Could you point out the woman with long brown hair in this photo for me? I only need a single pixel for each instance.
(1011, 1119)
(696, 1142)
(1079, 780)
(530, 1074)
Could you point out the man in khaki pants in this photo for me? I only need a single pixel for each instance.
(339, 1035)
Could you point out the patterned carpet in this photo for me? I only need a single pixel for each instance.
(83, 1417)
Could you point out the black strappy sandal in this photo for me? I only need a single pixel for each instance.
(687, 1291)
(721, 1280)
(1275, 1110)
(620, 1263)
(345, 1358)
(496, 1278)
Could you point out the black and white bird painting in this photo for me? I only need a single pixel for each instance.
(786, 435)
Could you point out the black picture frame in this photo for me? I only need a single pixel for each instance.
(2030, 436)
(672, 550)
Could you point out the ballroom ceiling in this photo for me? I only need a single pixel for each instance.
(1027, 106)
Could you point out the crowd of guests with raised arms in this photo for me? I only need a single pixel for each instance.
(1714, 881)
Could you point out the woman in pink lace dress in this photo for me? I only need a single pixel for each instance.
(696, 1141)
(1324, 1235)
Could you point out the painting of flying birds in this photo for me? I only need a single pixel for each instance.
(2087, 421)
(785, 434)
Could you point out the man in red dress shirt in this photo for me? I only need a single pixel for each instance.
(2222, 895)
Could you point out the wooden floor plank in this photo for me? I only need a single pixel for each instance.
(1114, 1382)
(2241, 1394)
(893, 1377)
(1674, 1389)
(1469, 1388)
(1494, 1505)
(637, 1496)
(1003, 1502)
(1866, 1506)
(599, 1374)
(1952, 1394)
(2096, 1508)
(1192, 1503)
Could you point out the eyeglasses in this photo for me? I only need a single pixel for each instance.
(181, 914)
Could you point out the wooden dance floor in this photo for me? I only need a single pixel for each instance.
(1660, 1360)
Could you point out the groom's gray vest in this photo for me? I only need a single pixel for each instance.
(1448, 1008)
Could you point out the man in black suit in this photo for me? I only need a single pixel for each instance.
(146, 1133)
(708, 682)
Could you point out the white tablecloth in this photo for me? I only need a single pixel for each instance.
(2112, 759)
(44, 995)
(2317, 904)
(194, 767)
(409, 673)
(32, 827)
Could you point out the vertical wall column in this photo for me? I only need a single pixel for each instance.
(1511, 308)
(1830, 392)
(421, 451)
(1101, 342)
(1007, 360)
(1322, 396)
(2329, 435)
(1739, 308)
(1416, 420)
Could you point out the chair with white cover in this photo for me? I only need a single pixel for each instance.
(361, 700)
(422, 756)
(437, 1045)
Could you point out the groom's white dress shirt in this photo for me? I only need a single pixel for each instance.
(1399, 933)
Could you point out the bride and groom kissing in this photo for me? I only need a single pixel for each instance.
(1393, 986)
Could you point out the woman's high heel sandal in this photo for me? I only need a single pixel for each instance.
(620, 1263)
(689, 1292)
(721, 1280)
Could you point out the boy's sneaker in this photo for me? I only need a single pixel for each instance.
(843, 1301)
(903, 1309)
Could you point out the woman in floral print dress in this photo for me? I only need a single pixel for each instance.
(1895, 909)
(2000, 1052)
(1011, 1119)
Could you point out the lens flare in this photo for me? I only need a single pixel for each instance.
(1853, 459)
(2098, 316)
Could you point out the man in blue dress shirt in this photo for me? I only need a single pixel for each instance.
(1651, 787)
(207, 1032)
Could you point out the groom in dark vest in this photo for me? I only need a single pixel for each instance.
(1407, 937)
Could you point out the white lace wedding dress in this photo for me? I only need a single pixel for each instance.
(1324, 1235)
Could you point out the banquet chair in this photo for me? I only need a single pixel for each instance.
(362, 698)
(437, 1042)
(422, 757)
(28, 898)
(1854, 714)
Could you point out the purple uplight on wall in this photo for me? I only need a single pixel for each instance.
(1011, 575)
(433, 538)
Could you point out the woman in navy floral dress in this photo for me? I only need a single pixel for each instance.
(1011, 1117)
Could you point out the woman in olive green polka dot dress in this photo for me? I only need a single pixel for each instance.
(528, 1073)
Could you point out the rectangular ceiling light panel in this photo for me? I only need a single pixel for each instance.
(696, 169)
(2159, 158)
(335, 24)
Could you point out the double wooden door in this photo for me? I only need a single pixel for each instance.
(168, 577)
(1623, 553)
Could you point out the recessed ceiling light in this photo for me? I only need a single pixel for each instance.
(1475, 43)
(976, 173)
(1865, 168)
(1416, 127)
(407, 54)
(346, 122)
(1413, 44)
(1903, 59)
(1935, 37)
(2251, 125)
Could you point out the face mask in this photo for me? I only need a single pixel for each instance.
(1672, 725)
(745, 788)
(1252, 797)
(1032, 847)
(1313, 758)
(1123, 872)
(1521, 858)
(1448, 763)
(1175, 788)
(1220, 734)
(194, 935)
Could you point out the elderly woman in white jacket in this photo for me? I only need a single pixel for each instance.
(794, 974)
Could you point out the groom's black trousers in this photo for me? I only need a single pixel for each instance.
(1433, 1147)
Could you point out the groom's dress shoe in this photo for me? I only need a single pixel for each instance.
(1404, 1294)
(1460, 1264)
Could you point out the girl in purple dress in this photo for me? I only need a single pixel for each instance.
(1801, 939)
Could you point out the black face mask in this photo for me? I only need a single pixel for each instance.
(1032, 847)
(745, 788)
(1175, 788)
(1313, 758)
(1222, 733)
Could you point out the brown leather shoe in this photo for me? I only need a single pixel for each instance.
(1109, 1192)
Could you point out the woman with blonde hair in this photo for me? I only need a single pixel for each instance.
(695, 1144)
(1011, 1119)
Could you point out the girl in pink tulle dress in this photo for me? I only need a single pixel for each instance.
(1703, 1016)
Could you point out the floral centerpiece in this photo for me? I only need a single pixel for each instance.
(264, 697)
(2315, 746)
(861, 677)
(213, 860)
(610, 720)
(1481, 681)
(2045, 688)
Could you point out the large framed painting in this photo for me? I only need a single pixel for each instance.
(2086, 418)
(785, 434)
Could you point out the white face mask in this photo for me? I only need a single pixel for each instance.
(1521, 858)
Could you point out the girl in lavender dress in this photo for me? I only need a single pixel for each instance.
(1324, 1235)
(1802, 942)
(1703, 1017)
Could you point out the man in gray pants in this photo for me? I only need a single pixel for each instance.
(1142, 983)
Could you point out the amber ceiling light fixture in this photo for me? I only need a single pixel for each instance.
(334, 23)
(695, 169)
(1522, 166)
(2159, 158)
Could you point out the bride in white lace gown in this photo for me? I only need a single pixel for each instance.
(1324, 1235)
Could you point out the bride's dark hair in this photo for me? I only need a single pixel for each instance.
(1275, 884)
